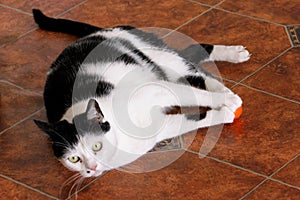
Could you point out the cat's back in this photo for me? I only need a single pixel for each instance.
(121, 47)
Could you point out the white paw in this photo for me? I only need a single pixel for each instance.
(233, 101)
(222, 115)
(237, 54)
(226, 114)
(226, 99)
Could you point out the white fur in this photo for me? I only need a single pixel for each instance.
(123, 145)
(140, 98)
(234, 54)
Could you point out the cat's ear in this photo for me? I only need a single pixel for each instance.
(93, 111)
(44, 126)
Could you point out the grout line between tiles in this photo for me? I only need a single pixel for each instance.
(227, 163)
(186, 23)
(266, 92)
(253, 189)
(283, 166)
(284, 183)
(27, 186)
(26, 33)
(204, 4)
(293, 24)
(251, 17)
(87, 185)
(73, 7)
(19, 87)
(263, 66)
(259, 90)
(15, 9)
(19, 37)
(22, 120)
(237, 13)
(189, 21)
(253, 172)
(229, 80)
(270, 178)
(288, 35)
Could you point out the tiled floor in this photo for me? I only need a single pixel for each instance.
(256, 157)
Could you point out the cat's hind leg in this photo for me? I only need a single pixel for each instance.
(234, 54)
(169, 94)
(197, 53)
(179, 124)
(204, 82)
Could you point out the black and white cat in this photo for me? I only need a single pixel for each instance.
(106, 95)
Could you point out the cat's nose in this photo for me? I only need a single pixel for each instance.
(94, 167)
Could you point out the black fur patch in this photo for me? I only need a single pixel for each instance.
(195, 81)
(87, 86)
(62, 134)
(60, 82)
(155, 68)
(62, 25)
(126, 59)
(196, 117)
(196, 53)
(146, 37)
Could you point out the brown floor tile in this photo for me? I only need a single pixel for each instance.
(148, 13)
(281, 76)
(26, 62)
(53, 7)
(16, 104)
(11, 190)
(290, 174)
(187, 178)
(218, 27)
(272, 190)
(13, 24)
(28, 158)
(285, 12)
(263, 139)
(209, 2)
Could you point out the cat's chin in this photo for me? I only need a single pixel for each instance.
(97, 173)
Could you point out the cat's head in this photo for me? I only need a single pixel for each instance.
(85, 145)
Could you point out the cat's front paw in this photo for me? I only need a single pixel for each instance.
(233, 101)
(237, 54)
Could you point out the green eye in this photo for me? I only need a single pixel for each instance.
(97, 146)
(74, 159)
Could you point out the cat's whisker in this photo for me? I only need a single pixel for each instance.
(67, 182)
(73, 186)
(60, 144)
(80, 181)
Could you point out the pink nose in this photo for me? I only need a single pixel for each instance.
(93, 167)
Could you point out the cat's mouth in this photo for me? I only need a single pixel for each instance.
(93, 174)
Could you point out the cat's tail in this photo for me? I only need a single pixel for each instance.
(63, 25)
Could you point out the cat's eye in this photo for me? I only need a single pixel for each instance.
(97, 146)
(74, 159)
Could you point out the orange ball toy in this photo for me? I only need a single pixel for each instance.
(238, 113)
